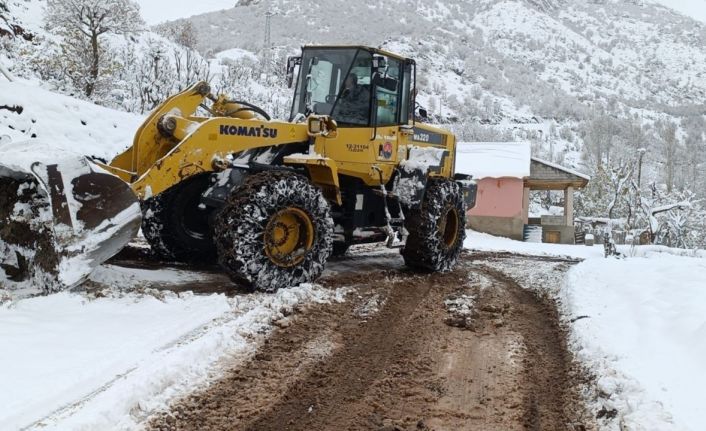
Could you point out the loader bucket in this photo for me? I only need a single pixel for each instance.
(61, 215)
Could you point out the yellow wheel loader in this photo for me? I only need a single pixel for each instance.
(270, 200)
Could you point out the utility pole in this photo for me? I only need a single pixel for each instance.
(267, 48)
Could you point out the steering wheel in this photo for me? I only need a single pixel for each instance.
(245, 106)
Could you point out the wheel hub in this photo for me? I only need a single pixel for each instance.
(448, 226)
(289, 235)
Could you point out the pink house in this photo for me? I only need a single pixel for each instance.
(500, 168)
(506, 173)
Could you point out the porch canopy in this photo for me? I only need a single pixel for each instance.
(546, 175)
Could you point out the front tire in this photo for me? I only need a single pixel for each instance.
(437, 228)
(174, 225)
(275, 231)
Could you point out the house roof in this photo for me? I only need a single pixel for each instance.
(562, 168)
(494, 159)
(546, 175)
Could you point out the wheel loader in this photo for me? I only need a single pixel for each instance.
(210, 179)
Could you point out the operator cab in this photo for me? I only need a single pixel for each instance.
(357, 86)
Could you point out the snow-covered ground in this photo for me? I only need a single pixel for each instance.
(641, 328)
(645, 333)
(108, 360)
(484, 242)
(66, 123)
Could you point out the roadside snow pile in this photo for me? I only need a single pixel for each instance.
(28, 112)
(645, 336)
(71, 363)
(477, 241)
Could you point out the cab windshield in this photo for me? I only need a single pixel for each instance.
(335, 81)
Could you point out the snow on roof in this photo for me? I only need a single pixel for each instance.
(562, 168)
(494, 159)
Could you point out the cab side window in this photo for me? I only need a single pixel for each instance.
(353, 104)
(386, 81)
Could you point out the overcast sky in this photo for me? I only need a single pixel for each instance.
(693, 8)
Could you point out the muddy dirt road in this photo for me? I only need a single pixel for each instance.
(467, 350)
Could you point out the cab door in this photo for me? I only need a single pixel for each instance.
(370, 144)
(391, 95)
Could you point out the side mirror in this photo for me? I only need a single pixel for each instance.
(389, 84)
(292, 63)
(423, 113)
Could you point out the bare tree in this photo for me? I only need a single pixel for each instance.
(84, 22)
(695, 147)
(670, 145)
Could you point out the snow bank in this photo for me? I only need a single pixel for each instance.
(645, 336)
(494, 159)
(67, 362)
(68, 124)
(485, 242)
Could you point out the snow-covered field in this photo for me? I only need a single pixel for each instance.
(645, 333)
(641, 328)
(108, 360)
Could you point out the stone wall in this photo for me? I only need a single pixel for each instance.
(566, 233)
(509, 227)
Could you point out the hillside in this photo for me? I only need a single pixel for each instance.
(641, 56)
(600, 86)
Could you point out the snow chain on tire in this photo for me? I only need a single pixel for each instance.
(435, 238)
(164, 228)
(242, 231)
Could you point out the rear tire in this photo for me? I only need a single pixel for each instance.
(275, 231)
(437, 228)
(174, 225)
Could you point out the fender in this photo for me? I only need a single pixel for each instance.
(323, 172)
(469, 188)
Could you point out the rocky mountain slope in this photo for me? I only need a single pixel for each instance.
(620, 52)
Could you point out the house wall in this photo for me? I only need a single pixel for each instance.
(499, 207)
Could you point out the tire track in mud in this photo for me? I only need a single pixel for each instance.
(400, 366)
(547, 359)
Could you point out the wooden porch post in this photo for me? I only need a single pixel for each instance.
(569, 206)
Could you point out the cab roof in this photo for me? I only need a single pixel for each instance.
(363, 47)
